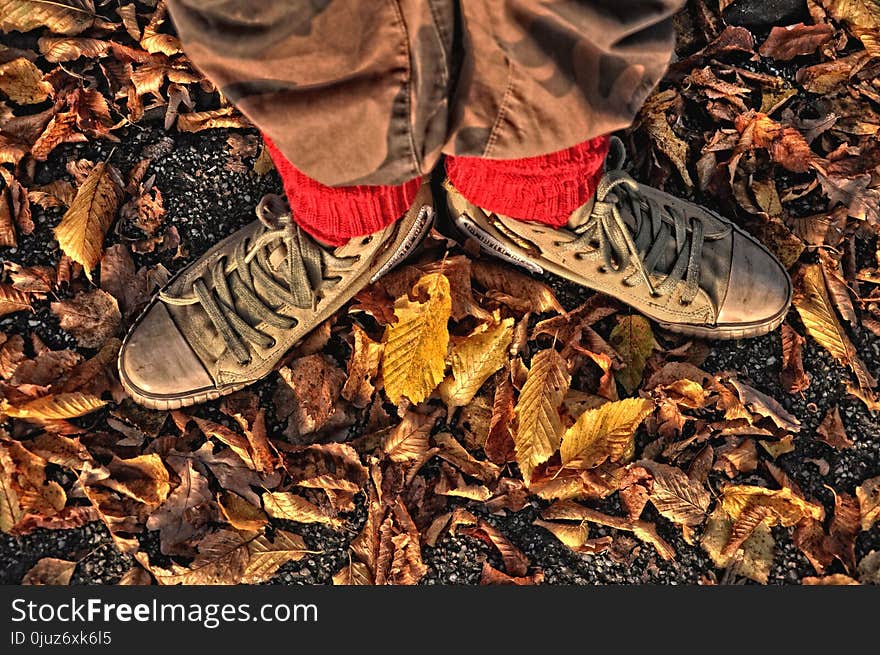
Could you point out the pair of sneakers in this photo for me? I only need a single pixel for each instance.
(226, 320)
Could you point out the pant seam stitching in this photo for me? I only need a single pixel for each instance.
(407, 85)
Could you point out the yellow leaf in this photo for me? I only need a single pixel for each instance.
(58, 406)
(474, 359)
(604, 433)
(68, 17)
(572, 535)
(292, 507)
(861, 17)
(868, 494)
(814, 306)
(785, 508)
(415, 346)
(12, 300)
(752, 559)
(633, 340)
(537, 410)
(143, 478)
(50, 571)
(266, 556)
(22, 81)
(81, 231)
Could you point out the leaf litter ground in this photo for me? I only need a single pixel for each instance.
(447, 517)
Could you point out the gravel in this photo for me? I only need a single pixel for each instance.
(206, 201)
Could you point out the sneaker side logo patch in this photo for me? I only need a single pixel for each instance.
(412, 239)
(492, 244)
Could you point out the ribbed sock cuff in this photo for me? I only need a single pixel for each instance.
(545, 189)
(336, 214)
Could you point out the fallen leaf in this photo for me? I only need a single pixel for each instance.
(57, 49)
(22, 81)
(184, 514)
(53, 407)
(241, 514)
(474, 360)
(91, 317)
(289, 506)
(539, 428)
(633, 339)
(604, 433)
(12, 300)
(492, 576)
(25, 15)
(754, 556)
(862, 19)
(531, 292)
(814, 306)
(269, 555)
(793, 376)
(415, 346)
(227, 117)
(355, 573)
(786, 43)
(363, 367)
(50, 571)
(81, 231)
(675, 495)
(868, 494)
(832, 432)
(408, 440)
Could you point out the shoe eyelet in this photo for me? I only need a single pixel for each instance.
(366, 240)
(602, 269)
(271, 344)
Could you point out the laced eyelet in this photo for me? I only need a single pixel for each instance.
(366, 240)
(602, 269)
(271, 343)
(684, 303)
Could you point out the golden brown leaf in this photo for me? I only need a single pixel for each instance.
(12, 300)
(355, 573)
(228, 117)
(572, 535)
(60, 49)
(22, 81)
(363, 367)
(604, 433)
(868, 494)
(267, 556)
(57, 193)
(539, 427)
(184, 514)
(835, 579)
(91, 317)
(222, 559)
(241, 514)
(785, 508)
(474, 359)
(676, 496)
(862, 19)
(55, 406)
(814, 306)
(143, 478)
(69, 17)
(634, 341)
(292, 507)
(50, 571)
(408, 440)
(81, 231)
(415, 346)
(754, 556)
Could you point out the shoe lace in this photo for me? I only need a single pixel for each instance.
(604, 233)
(233, 278)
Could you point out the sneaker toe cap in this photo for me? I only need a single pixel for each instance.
(156, 361)
(759, 289)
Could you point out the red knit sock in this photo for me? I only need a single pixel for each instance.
(546, 189)
(336, 214)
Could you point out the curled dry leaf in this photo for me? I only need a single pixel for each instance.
(363, 367)
(793, 376)
(22, 81)
(408, 440)
(91, 317)
(832, 432)
(676, 496)
(814, 306)
(50, 571)
(868, 494)
(70, 17)
(197, 121)
(539, 428)
(60, 49)
(415, 346)
(753, 557)
(786, 43)
(531, 293)
(185, 513)
(81, 231)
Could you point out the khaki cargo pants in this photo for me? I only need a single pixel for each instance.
(372, 92)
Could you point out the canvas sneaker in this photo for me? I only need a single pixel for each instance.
(226, 320)
(687, 268)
